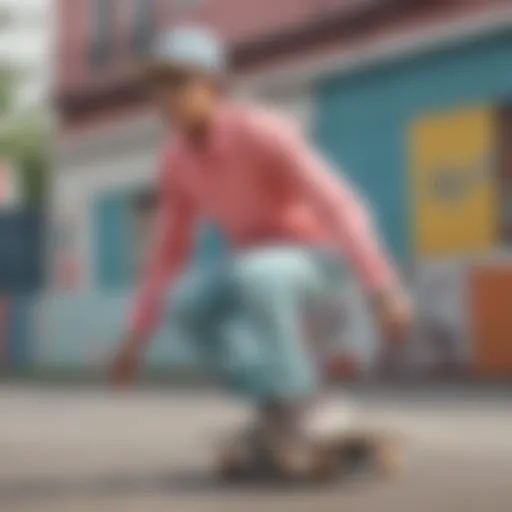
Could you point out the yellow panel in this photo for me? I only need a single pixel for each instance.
(453, 182)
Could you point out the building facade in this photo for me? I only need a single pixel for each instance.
(374, 83)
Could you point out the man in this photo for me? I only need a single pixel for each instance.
(288, 222)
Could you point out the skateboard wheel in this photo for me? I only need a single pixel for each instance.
(229, 469)
(326, 464)
(291, 463)
(233, 462)
(388, 458)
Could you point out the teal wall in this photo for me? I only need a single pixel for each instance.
(363, 118)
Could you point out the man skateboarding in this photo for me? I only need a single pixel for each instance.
(289, 222)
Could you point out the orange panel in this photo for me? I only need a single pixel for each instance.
(491, 309)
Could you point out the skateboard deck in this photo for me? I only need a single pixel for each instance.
(349, 452)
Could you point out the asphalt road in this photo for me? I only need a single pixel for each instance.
(89, 450)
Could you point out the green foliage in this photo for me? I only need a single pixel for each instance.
(23, 141)
(26, 147)
(7, 84)
(33, 164)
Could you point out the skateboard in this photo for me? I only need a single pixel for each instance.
(349, 452)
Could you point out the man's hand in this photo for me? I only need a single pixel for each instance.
(126, 364)
(394, 314)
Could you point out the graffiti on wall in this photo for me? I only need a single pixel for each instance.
(443, 330)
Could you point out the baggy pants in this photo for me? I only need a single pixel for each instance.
(246, 317)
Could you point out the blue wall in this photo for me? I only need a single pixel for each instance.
(363, 118)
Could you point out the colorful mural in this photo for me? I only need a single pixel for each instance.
(442, 344)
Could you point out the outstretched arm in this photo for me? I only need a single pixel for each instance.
(296, 166)
(169, 251)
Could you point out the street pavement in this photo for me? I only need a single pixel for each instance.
(152, 450)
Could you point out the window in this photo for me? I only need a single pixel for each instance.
(102, 40)
(122, 223)
(143, 25)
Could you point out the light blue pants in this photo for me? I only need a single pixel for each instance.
(246, 318)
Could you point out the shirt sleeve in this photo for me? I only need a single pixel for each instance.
(301, 168)
(169, 250)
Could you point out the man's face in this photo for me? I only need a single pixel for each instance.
(185, 100)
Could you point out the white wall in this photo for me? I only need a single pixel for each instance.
(26, 43)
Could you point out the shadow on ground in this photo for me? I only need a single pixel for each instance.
(184, 483)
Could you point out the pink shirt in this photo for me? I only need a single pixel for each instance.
(261, 183)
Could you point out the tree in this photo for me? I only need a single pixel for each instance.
(24, 140)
